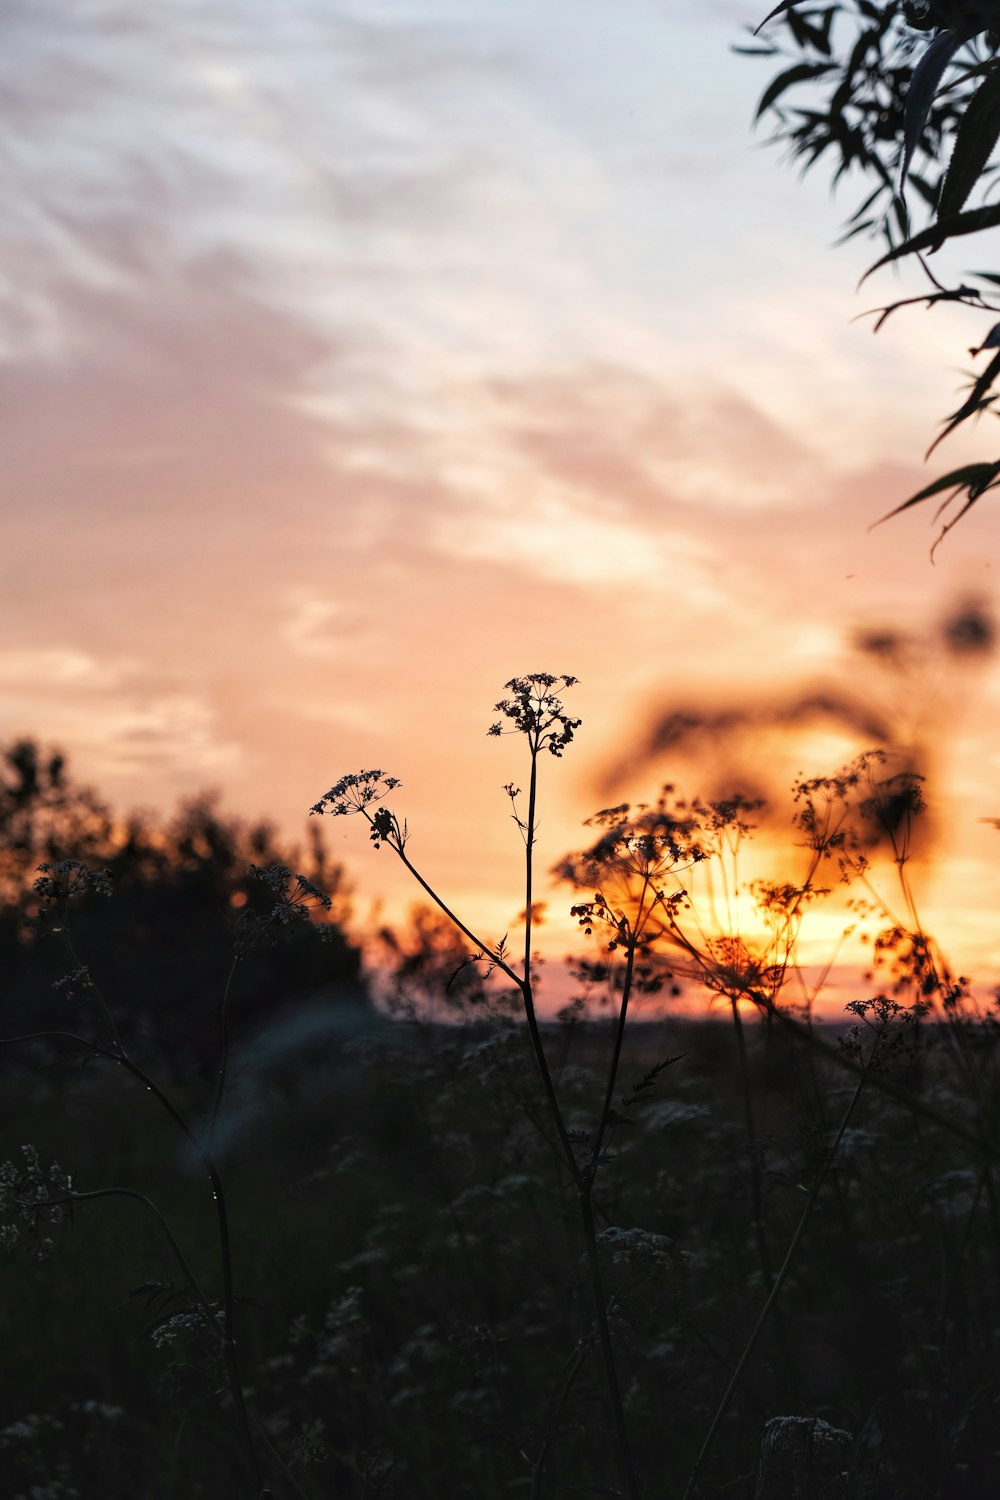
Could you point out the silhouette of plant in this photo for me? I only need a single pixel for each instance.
(891, 104)
(534, 711)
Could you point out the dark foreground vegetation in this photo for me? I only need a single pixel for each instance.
(260, 1236)
(418, 1320)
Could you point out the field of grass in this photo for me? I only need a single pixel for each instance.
(415, 1314)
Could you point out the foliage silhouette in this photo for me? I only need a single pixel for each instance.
(182, 889)
(891, 103)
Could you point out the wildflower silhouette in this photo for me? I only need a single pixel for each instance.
(534, 711)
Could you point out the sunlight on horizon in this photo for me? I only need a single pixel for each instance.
(357, 359)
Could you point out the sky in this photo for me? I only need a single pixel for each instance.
(357, 357)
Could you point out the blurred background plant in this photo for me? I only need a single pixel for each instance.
(165, 943)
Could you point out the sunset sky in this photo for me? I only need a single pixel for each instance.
(358, 355)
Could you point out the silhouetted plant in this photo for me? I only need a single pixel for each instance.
(888, 107)
(534, 711)
(639, 873)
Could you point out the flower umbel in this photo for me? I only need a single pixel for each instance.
(634, 869)
(355, 793)
(294, 898)
(535, 711)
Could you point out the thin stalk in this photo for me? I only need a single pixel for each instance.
(879, 1081)
(555, 1113)
(523, 983)
(443, 906)
(586, 1188)
(529, 845)
(266, 1441)
(220, 1083)
(776, 1289)
(607, 1351)
(178, 1253)
(584, 1184)
(567, 1375)
(602, 1123)
(95, 988)
(763, 1253)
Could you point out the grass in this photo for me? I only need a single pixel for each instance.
(505, 1257)
(472, 1294)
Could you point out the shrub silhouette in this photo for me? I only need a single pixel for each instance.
(164, 943)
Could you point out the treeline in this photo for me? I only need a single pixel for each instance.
(183, 897)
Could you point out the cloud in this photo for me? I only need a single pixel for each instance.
(353, 358)
(129, 740)
(45, 669)
(616, 432)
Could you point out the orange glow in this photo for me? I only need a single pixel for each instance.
(354, 402)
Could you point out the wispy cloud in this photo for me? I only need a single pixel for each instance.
(355, 356)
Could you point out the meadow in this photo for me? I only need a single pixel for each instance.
(440, 1246)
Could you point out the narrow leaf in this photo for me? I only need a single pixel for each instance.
(798, 74)
(954, 521)
(972, 402)
(991, 341)
(973, 477)
(978, 132)
(920, 95)
(969, 222)
(777, 11)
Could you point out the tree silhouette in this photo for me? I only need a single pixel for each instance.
(185, 892)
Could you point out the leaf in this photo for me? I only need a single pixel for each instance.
(798, 74)
(777, 11)
(977, 136)
(991, 341)
(920, 95)
(930, 192)
(970, 222)
(972, 402)
(976, 478)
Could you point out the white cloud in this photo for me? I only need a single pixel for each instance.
(41, 669)
(546, 531)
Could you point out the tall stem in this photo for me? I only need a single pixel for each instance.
(602, 1123)
(607, 1351)
(178, 1253)
(220, 1082)
(755, 1187)
(584, 1184)
(775, 1293)
(525, 985)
